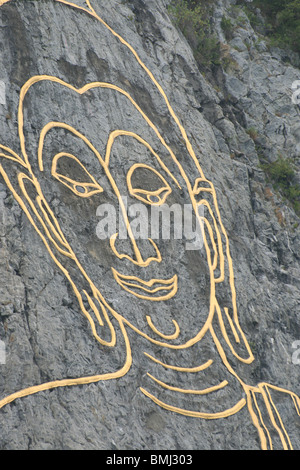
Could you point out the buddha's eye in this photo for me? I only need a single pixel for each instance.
(154, 199)
(67, 169)
(81, 189)
(147, 184)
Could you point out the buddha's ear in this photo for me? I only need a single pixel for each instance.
(11, 165)
(8, 154)
(222, 271)
(205, 197)
(202, 186)
(26, 190)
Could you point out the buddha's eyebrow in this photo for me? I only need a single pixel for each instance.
(67, 127)
(113, 135)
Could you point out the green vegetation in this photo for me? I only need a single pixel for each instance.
(252, 132)
(282, 20)
(283, 176)
(282, 25)
(192, 18)
(228, 27)
(283, 28)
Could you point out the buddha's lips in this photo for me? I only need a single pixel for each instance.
(155, 289)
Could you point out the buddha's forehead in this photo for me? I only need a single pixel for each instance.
(96, 109)
(88, 122)
(100, 56)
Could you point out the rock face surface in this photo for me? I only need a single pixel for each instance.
(104, 100)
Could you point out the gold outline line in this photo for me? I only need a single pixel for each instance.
(135, 192)
(169, 337)
(79, 381)
(168, 284)
(213, 302)
(65, 179)
(118, 133)
(181, 369)
(197, 414)
(204, 391)
(261, 419)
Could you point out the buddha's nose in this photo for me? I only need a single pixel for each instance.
(138, 252)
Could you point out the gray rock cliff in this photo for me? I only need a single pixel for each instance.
(104, 99)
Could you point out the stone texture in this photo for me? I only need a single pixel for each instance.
(45, 335)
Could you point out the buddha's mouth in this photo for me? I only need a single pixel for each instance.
(155, 289)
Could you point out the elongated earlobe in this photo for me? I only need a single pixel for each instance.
(8, 154)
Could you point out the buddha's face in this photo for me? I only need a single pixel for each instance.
(79, 155)
(156, 285)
